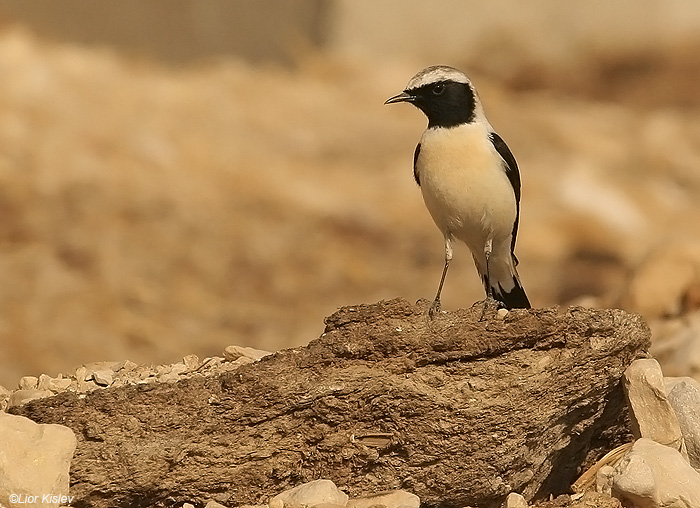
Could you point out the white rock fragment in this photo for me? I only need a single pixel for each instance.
(103, 377)
(20, 397)
(187, 505)
(34, 460)
(502, 313)
(128, 366)
(59, 384)
(4, 397)
(309, 494)
(43, 383)
(515, 500)
(656, 476)
(28, 383)
(684, 397)
(232, 353)
(604, 480)
(213, 504)
(388, 499)
(191, 362)
(651, 414)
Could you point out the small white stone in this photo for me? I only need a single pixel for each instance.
(43, 383)
(515, 500)
(178, 368)
(81, 374)
(213, 504)
(502, 313)
(4, 397)
(232, 353)
(128, 366)
(604, 479)
(389, 499)
(20, 397)
(28, 382)
(187, 505)
(684, 397)
(310, 494)
(59, 384)
(191, 362)
(103, 377)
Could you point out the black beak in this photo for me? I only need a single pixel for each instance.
(402, 97)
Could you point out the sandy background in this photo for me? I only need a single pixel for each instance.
(167, 192)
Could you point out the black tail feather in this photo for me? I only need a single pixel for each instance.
(513, 299)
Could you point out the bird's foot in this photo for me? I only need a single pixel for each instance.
(489, 305)
(434, 309)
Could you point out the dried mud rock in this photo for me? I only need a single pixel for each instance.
(458, 410)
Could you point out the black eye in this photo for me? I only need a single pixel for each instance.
(438, 89)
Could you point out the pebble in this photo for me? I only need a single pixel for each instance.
(213, 504)
(20, 397)
(4, 397)
(232, 353)
(59, 384)
(28, 383)
(103, 377)
(34, 458)
(43, 383)
(604, 479)
(654, 475)
(389, 499)
(309, 494)
(515, 500)
(684, 397)
(651, 414)
(191, 362)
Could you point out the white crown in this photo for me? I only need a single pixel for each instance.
(435, 74)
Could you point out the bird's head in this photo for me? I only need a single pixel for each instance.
(443, 93)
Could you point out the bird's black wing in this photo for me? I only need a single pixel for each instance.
(415, 168)
(511, 168)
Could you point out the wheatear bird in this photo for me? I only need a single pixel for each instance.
(469, 180)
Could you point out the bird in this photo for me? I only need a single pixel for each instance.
(469, 180)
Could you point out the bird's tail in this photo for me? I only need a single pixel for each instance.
(503, 283)
(515, 298)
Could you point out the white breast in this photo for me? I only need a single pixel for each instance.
(464, 185)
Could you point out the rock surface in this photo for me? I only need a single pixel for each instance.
(515, 500)
(391, 499)
(651, 413)
(684, 397)
(34, 462)
(385, 398)
(652, 475)
(310, 494)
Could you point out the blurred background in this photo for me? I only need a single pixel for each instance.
(179, 175)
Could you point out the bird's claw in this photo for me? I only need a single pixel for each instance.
(434, 309)
(489, 304)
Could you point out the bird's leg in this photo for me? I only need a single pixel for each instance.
(435, 307)
(490, 301)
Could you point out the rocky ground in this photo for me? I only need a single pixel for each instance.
(383, 367)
